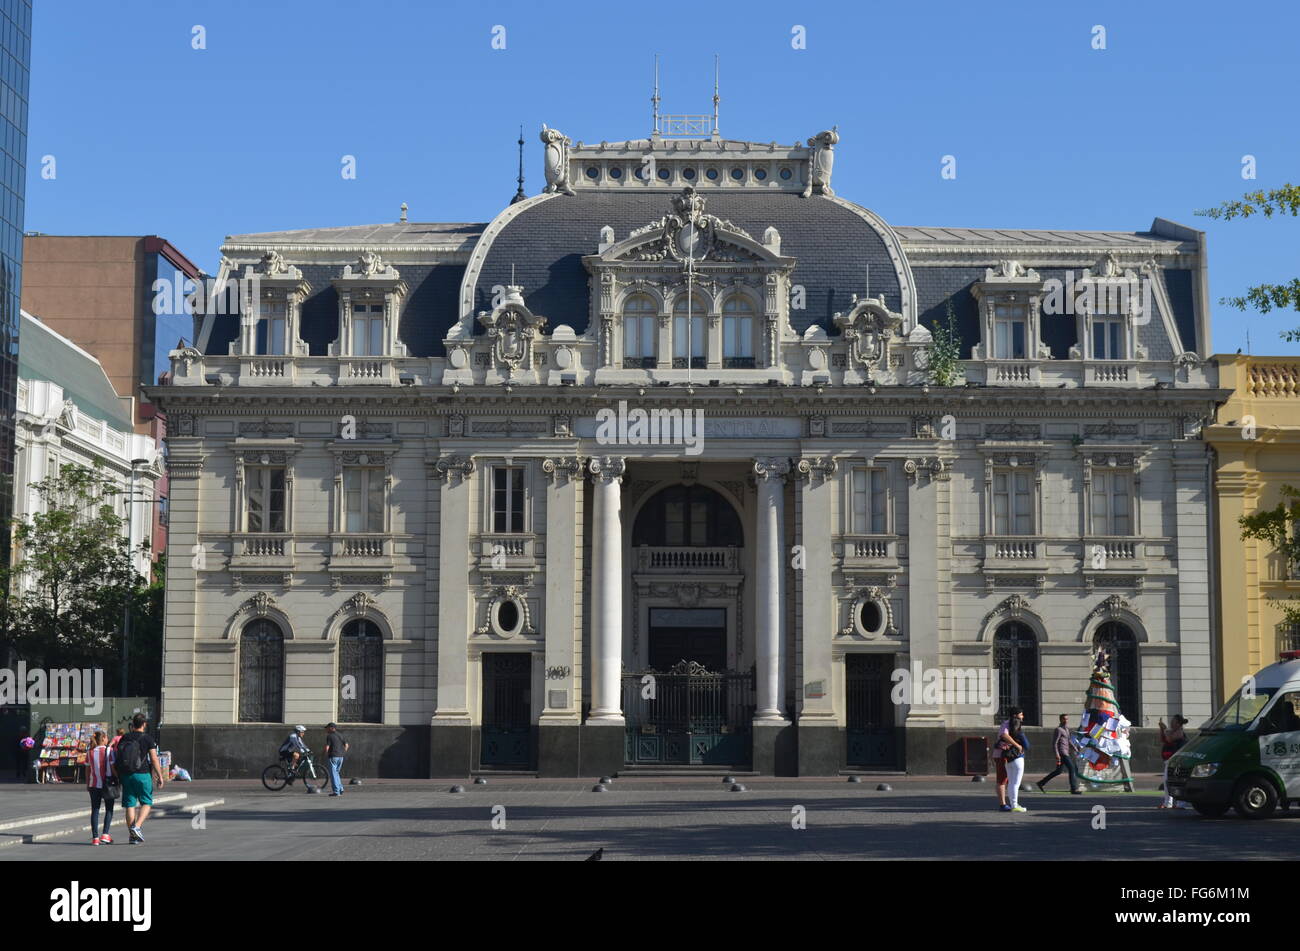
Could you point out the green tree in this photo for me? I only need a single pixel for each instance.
(944, 364)
(1278, 526)
(73, 575)
(1264, 297)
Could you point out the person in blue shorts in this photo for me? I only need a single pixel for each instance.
(136, 764)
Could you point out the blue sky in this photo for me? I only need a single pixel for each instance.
(151, 136)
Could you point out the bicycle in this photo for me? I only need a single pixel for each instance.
(276, 776)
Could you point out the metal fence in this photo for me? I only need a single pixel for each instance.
(689, 699)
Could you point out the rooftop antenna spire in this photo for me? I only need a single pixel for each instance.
(716, 99)
(403, 218)
(654, 100)
(519, 192)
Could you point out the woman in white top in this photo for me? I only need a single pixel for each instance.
(99, 769)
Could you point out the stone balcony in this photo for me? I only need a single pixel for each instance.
(684, 560)
(501, 551)
(868, 551)
(257, 550)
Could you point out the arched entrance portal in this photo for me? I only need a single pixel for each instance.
(688, 707)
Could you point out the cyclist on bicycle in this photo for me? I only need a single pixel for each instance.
(293, 748)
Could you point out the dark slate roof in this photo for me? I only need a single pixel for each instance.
(427, 316)
(973, 237)
(545, 244)
(44, 354)
(413, 234)
(1178, 285)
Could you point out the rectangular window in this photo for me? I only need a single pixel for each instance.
(639, 338)
(508, 499)
(869, 502)
(265, 488)
(1013, 508)
(738, 338)
(368, 330)
(1112, 503)
(270, 328)
(695, 339)
(1009, 328)
(363, 500)
(1108, 340)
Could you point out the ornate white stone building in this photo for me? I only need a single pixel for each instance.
(660, 467)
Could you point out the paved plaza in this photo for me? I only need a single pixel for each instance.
(646, 819)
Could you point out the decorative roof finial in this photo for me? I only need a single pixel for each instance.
(519, 192)
(403, 218)
(654, 100)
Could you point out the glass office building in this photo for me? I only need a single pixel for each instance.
(15, 62)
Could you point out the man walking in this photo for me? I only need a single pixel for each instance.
(335, 747)
(136, 764)
(1062, 742)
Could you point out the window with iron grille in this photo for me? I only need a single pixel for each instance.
(261, 673)
(1015, 657)
(1118, 641)
(265, 499)
(508, 499)
(361, 673)
(1288, 637)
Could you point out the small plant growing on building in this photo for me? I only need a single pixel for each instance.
(944, 352)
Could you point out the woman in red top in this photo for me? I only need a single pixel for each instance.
(99, 770)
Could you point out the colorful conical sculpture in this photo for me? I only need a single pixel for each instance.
(1102, 739)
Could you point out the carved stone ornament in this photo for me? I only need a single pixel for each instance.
(1112, 608)
(556, 161)
(1013, 606)
(562, 468)
(187, 357)
(771, 467)
(816, 469)
(868, 327)
(511, 327)
(822, 162)
(454, 470)
(934, 467)
(688, 234)
(273, 264)
(607, 469)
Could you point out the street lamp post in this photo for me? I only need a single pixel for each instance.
(130, 543)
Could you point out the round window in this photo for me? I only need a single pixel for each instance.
(760, 173)
(688, 174)
(508, 617)
(870, 617)
(786, 173)
(593, 172)
(711, 174)
(737, 173)
(615, 172)
(664, 173)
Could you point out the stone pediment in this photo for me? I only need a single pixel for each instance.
(688, 233)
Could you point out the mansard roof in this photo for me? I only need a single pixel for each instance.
(838, 248)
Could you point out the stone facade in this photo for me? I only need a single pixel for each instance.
(685, 401)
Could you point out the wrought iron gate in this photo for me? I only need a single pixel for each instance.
(507, 711)
(261, 673)
(871, 734)
(689, 716)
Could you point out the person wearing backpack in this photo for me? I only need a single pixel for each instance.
(137, 763)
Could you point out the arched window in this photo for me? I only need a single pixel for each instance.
(361, 673)
(737, 332)
(261, 673)
(1015, 658)
(1118, 641)
(690, 516)
(689, 315)
(639, 331)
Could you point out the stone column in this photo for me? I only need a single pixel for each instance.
(558, 743)
(607, 590)
(769, 614)
(451, 748)
(1192, 491)
(821, 743)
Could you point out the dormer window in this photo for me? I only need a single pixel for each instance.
(639, 331)
(689, 315)
(367, 330)
(269, 335)
(737, 332)
(1109, 339)
(1009, 332)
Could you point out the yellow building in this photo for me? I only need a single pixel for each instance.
(1256, 439)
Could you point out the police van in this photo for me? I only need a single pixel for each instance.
(1248, 755)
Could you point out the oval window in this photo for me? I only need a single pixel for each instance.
(785, 174)
(508, 617)
(593, 172)
(688, 174)
(711, 174)
(760, 173)
(737, 173)
(870, 617)
(664, 173)
(615, 172)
